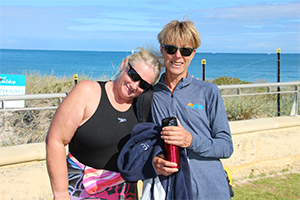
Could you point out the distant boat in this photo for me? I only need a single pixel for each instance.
(132, 51)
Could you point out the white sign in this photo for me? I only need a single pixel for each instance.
(12, 85)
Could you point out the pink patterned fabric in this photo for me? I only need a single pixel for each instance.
(88, 183)
(97, 180)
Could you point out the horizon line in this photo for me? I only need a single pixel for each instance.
(127, 51)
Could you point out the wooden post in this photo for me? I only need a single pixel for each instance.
(278, 80)
(203, 62)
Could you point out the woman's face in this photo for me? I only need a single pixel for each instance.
(130, 88)
(176, 64)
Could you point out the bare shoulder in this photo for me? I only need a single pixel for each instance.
(86, 89)
(75, 109)
(88, 85)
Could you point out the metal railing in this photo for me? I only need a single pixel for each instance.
(30, 124)
(293, 87)
(4, 99)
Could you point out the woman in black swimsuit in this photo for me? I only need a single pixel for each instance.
(96, 120)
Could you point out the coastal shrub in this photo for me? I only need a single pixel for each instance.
(257, 106)
(225, 80)
(31, 126)
(37, 84)
(21, 127)
(254, 106)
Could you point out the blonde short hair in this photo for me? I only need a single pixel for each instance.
(175, 32)
(150, 56)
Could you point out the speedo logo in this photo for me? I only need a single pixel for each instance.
(194, 106)
(122, 120)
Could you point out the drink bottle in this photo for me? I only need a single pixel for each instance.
(171, 151)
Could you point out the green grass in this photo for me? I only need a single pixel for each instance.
(278, 186)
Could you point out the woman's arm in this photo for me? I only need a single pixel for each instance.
(212, 138)
(75, 109)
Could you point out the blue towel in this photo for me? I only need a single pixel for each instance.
(135, 162)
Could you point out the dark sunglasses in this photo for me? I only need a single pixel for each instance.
(185, 51)
(136, 77)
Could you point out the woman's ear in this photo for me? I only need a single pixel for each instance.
(123, 65)
(161, 50)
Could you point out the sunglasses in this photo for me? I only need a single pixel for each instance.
(185, 51)
(136, 77)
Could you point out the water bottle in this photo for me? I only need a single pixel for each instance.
(171, 151)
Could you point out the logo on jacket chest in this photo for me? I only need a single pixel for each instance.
(194, 106)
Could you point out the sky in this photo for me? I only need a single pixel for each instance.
(232, 26)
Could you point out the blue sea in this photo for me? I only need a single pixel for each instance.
(247, 67)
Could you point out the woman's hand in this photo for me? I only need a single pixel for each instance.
(177, 135)
(164, 167)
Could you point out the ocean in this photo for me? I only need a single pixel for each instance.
(95, 64)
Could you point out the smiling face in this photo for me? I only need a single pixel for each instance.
(176, 64)
(178, 34)
(129, 88)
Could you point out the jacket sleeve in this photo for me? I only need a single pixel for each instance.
(213, 138)
(135, 161)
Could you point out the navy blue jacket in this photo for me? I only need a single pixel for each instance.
(135, 161)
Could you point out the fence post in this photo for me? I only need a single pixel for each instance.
(294, 110)
(75, 78)
(203, 62)
(278, 80)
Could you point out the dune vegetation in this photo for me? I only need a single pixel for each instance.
(30, 126)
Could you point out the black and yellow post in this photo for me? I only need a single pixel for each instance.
(75, 78)
(203, 62)
(278, 51)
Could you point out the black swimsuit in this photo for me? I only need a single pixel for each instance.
(98, 141)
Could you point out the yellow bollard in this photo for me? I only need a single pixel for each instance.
(75, 78)
(278, 50)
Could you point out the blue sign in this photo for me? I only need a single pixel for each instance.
(12, 80)
(11, 84)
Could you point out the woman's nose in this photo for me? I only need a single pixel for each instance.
(135, 85)
(178, 53)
